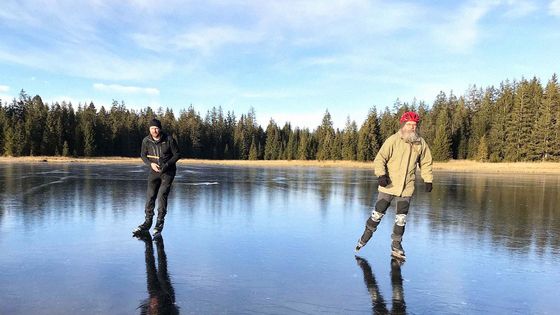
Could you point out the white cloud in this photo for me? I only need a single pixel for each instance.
(4, 96)
(520, 8)
(554, 7)
(204, 39)
(88, 63)
(460, 32)
(117, 88)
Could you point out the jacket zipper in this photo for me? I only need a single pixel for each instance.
(407, 164)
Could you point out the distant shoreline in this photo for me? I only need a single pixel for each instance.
(460, 166)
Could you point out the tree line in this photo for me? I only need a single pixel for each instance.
(517, 121)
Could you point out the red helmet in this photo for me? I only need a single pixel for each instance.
(410, 116)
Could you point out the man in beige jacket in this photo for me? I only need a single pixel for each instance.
(395, 167)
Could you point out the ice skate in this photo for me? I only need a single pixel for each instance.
(397, 251)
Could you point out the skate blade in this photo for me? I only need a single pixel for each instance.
(140, 233)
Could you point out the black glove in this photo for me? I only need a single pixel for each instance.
(428, 187)
(383, 180)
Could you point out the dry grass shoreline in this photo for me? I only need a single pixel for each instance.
(462, 166)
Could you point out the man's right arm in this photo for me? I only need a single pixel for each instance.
(144, 153)
(382, 157)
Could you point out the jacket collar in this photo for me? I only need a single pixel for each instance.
(162, 137)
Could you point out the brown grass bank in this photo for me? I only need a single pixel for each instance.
(464, 166)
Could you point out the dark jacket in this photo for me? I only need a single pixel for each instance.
(163, 152)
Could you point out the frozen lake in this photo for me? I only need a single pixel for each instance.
(273, 241)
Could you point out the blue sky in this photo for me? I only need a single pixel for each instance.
(290, 60)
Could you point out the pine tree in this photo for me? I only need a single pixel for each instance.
(69, 127)
(3, 126)
(253, 152)
(369, 140)
(102, 132)
(460, 130)
(350, 141)
(542, 135)
(65, 149)
(482, 150)
(272, 146)
(36, 114)
(303, 145)
(441, 150)
(481, 120)
(89, 131)
(387, 125)
(326, 137)
(522, 116)
(336, 151)
(500, 123)
(292, 145)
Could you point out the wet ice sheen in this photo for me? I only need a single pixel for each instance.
(279, 241)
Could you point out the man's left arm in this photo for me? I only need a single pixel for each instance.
(176, 156)
(426, 167)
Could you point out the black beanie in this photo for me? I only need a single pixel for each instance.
(156, 123)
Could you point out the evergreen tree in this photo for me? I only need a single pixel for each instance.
(253, 152)
(542, 137)
(500, 122)
(350, 140)
(292, 146)
(3, 126)
(460, 131)
(102, 131)
(89, 131)
(481, 120)
(369, 140)
(52, 135)
(482, 150)
(272, 146)
(189, 133)
(429, 122)
(326, 137)
(36, 115)
(229, 133)
(336, 153)
(386, 125)
(521, 123)
(69, 127)
(303, 145)
(65, 149)
(441, 150)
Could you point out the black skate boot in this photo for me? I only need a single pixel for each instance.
(371, 226)
(157, 230)
(143, 228)
(157, 234)
(397, 251)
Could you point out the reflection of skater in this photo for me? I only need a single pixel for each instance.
(162, 295)
(160, 152)
(395, 167)
(377, 302)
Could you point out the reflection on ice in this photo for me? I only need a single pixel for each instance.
(265, 240)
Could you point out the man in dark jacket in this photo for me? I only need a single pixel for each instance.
(160, 152)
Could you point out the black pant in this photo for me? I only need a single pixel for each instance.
(160, 288)
(159, 186)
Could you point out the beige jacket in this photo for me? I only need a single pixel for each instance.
(398, 160)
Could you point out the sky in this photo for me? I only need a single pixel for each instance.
(290, 60)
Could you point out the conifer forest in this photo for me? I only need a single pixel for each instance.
(516, 121)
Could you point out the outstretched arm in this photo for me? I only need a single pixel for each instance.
(426, 165)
